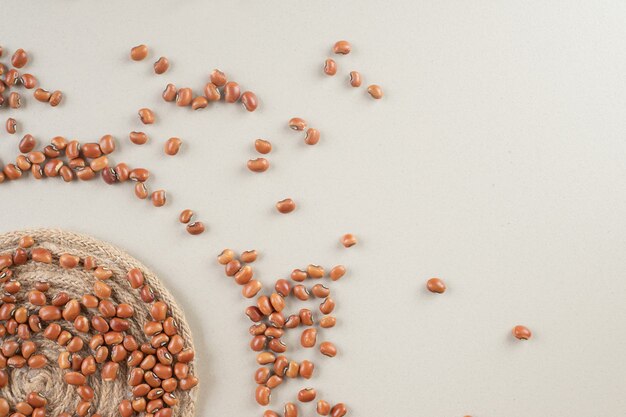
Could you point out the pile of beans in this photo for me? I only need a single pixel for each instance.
(355, 79)
(271, 321)
(93, 334)
(215, 89)
(12, 79)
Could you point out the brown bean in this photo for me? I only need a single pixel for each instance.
(139, 174)
(273, 382)
(4, 407)
(355, 79)
(301, 292)
(254, 314)
(257, 343)
(274, 332)
(327, 306)
(146, 116)
(270, 413)
(330, 67)
(296, 123)
(320, 291)
(258, 165)
(11, 77)
(277, 319)
(277, 301)
(19, 58)
(307, 395)
(158, 311)
(522, 332)
(339, 410)
(172, 146)
(298, 275)
(99, 164)
(15, 100)
(211, 92)
(85, 174)
(24, 408)
(257, 329)
(308, 337)
(184, 97)
(161, 65)
(218, 78)
(263, 395)
(277, 345)
(36, 399)
(91, 150)
(11, 126)
(306, 369)
(28, 81)
(292, 369)
(101, 290)
(249, 256)
(55, 98)
(52, 167)
(199, 102)
(141, 191)
(342, 47)
(169, 94)
(283, 287)
(231, 92)
(322, 408)
(337, 272)
(244, 275)
(264, 304)
(436, 285)
(327, 322)
(232, 267)
(107, 144)
(286, 206)
(139, 52)
(41, 95)
(249, 101)
(292, 321)
(251, 289)
(27, 144)
(306, 317)
(75, 378)
(226, 256)
(375, 91)
(138, 138)
(185, 216)
(312, 136)
(261, 375)
(315, 271)
(348, 240)
(159, 198)
(12, 172)
(262, 146)
(290, 410)
(195, 228)
(328, 349)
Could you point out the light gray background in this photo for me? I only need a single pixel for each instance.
(495, 161)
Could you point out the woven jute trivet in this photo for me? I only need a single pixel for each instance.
(49, 381)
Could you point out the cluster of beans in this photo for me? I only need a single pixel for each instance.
(217, 87)
(271, 322)
(140, 52)
(82, 161)
(311, 136)
(330, 68)
(92, 332)
(193, 227)
(11, 78)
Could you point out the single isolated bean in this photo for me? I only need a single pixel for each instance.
(161, 65)
(15, 100)
(146, 116)
(296, 123)
(218, 78)
(328, 349)
(522, 332)
(139, 52)
(307, 395)
(436, 285)
(312, 136)
(195, 228)
(348, 240)
(327, 322)
(342, 47)
(185, 216)
(258, 165)
(286, 206)
(19, 58)
(11, 126)
(355, 79)
(159, 198)
(262, 146)
(330, 67)
(172, 146)
(375, 91)
(231, 92)
(308, 338)
(138, 138)
(249, 101)
(55, 98)
(337, 272)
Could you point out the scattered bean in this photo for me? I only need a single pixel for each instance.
(159, 198)
(355, 79)
(19, 58)
(218, 78)
(11, 126)
(312, 136)
(286, 206)
(195, 228)
(436, 285)
(161, 65)
(262, 146)
(342, 47)
(375, 91)
(146, 116)
(249, 101)
(139, 52)
(307, 395)
(348, 240)
(330, 67)
(297, 123)
(138, 138)
(522, 332)
(258, 165)
(231, 92)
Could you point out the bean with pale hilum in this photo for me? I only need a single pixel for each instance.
(211, 92)
(249, 256)
(330, 67)
(226, 256)
(327, 306)
(285, 206)
(161, 65)
(355, 79)
(306, 395)
(42, 95)
(297, 123)
(28, 81)
(11, 126)
(249, 101)
(312, 136)
(342, 47)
